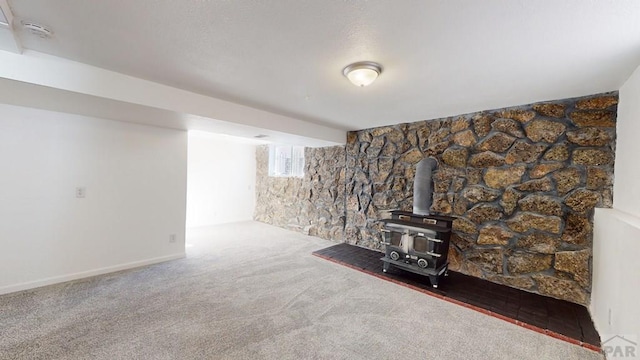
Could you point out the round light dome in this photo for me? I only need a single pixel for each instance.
(362, 73)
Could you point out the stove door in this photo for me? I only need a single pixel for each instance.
(424, 242)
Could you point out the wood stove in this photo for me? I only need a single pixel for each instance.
(417, 243)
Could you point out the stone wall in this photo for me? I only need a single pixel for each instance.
(314, 204)
(522, 183)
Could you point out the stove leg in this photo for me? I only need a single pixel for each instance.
(385, 267)
(434, 281)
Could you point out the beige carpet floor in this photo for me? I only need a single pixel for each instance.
(254, 291)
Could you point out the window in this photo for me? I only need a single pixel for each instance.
(286, 160)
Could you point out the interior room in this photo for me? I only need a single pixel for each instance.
(319, 180)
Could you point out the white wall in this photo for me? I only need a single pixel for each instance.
(616, 244)
(135, 180)
(616, 274)
(221, 179)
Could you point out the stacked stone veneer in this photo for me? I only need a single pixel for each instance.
(313, 204)
(522, 183)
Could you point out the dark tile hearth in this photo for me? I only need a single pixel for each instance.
(561, 319)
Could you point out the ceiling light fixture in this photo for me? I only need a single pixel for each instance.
(362, 73)
(3, 19)
(5, 14)
(38, 30)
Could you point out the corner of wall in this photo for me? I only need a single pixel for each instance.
(313, 205)
(616, 240)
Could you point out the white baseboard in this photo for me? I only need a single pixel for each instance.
(85, 274)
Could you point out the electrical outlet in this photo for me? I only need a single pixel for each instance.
(172, 238)
(81, 192)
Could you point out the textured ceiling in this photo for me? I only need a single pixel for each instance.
(440, 58)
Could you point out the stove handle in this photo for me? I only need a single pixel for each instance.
(433, 254)
(384, 237)
(428, 238)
